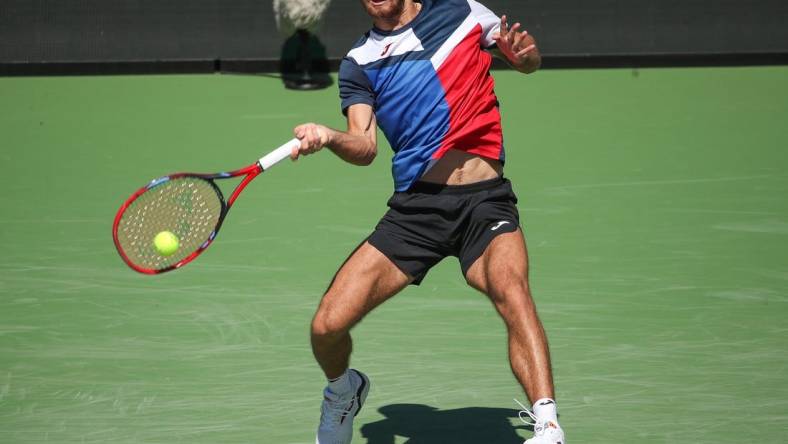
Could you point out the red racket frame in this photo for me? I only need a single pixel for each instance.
(250, 172)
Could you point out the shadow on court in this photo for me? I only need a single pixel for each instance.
(422, 424)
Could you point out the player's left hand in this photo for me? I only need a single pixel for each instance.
(313, 138)
(518, 47)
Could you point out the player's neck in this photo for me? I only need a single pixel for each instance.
(409, 12)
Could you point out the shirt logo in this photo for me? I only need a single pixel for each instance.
(499, 225)
(385, 50)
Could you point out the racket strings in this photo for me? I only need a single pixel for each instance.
(189, 207)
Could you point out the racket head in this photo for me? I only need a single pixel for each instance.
(190, 206)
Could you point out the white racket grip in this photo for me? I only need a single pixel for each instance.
(279, 154)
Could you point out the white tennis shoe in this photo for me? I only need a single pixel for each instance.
(338, 411)
(545, 431)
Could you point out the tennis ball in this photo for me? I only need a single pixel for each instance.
(166, 243)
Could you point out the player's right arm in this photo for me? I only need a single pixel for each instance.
(358, 145)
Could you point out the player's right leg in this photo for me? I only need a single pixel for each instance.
(365, 280)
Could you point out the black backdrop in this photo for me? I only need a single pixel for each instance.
(35, 31)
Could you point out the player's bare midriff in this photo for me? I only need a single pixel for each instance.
(461, 168)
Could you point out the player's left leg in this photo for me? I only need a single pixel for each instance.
(502, 274)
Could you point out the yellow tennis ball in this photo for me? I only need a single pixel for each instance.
(166, 243)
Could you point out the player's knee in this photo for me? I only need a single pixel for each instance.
(325, 325)
(510, 284)
(513, 298)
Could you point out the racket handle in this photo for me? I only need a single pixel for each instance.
(278, 154)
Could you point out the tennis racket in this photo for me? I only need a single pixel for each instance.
(189, 205)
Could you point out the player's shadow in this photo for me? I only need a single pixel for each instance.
(422, 424)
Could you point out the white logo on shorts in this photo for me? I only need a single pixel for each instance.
(499, 225)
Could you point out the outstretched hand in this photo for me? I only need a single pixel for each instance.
(517, 46)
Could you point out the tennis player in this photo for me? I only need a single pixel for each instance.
(422, 75)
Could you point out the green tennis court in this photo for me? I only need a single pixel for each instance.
(655, 204)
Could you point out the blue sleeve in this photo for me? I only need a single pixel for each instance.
(354, 85)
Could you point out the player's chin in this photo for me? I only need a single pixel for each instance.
(382, 8)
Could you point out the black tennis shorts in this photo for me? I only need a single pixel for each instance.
(431, 221)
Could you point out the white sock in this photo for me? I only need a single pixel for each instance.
(340, 385)
(545, 409)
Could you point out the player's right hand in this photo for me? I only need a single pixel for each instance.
(313, 138)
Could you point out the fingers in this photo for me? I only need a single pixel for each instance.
(509, 37)
(517, 44)
(312, 136)
(504, 26)
(512, 34)
(524, 53)
(298, 132)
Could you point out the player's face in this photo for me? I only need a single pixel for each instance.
(384, 9)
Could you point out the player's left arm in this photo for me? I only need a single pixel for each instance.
(517, 48)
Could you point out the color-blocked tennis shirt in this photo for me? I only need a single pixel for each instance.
(430, 86)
